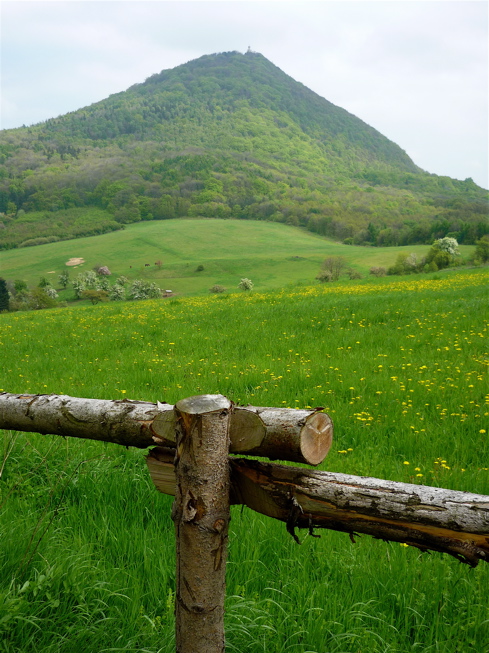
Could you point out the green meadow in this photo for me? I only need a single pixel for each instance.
(271, 254)
(87, 544)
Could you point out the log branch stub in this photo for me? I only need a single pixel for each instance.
(201, 516)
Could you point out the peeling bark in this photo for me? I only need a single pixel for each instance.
(201, 516)
(277, 433)
(425, 517)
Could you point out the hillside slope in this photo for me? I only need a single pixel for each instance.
(226, 135)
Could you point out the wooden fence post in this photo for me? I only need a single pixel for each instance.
(201, 516)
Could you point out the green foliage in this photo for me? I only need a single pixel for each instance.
(64, 279)
(95, 296)
(482, 250)
(4, 296)
(117, 293)
(226, 136)
(20, 286)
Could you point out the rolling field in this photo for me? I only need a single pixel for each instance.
(400, 364)
(272, 255)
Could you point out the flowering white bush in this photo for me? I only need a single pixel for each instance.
(117, 293)
(448, 245)
(245, 284)
(51, 292)
(144, 290)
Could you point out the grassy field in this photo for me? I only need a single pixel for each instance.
(272, 255)
(87, 548)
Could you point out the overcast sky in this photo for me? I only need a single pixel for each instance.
(417, 71)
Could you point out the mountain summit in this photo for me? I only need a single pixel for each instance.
(231, 135)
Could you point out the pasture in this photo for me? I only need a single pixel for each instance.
(271, 254)
(87, 547)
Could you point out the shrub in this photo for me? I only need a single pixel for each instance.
(51, 292)
(117, 293)
(64, 279)
(38, 299)
(144, 290)
(324, 276)
(102, 271)
(334, 265)
(103, 284)
(20, 287)
(199, 268)
(354, 274)
(217, 288)
(246, 284)
(378, 271)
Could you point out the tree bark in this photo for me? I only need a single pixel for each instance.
(425, 517)
(278, 433)
(201, 516)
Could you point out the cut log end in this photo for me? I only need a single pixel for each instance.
(201, 404)
(316, 438)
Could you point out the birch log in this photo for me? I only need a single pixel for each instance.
(428, 518)
(278, 433)
(201, 516)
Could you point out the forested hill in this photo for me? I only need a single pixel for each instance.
(226, 135)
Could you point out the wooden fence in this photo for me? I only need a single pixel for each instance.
(189, 459)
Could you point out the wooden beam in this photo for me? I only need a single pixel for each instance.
(278, 433)
(201, 516)
(425, 517)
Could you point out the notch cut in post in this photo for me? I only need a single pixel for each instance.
(201, 516)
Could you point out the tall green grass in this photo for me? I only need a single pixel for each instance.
(87, 552)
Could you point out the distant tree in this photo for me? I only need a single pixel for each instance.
(144, 290)
(43, 282)
(448, 245)
(64, 278)
(334, 266)
(20, 287)
(38, 299)
(443, 253)
(117, 293)
(482, 250)
(51, 292)
(4, 296)
(95, 296)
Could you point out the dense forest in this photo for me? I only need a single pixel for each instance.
(231, 136)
